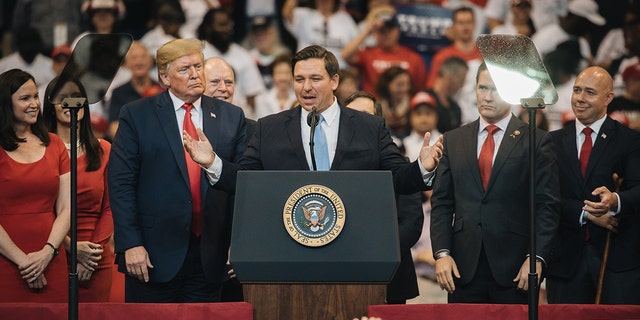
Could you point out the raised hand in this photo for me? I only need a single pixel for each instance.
(430, 154)
(200, 150)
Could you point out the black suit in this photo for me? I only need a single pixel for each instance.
(404, 284)
(363, 144)
(466, 220)
(615, 150)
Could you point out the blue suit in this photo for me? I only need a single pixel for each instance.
(149, 185)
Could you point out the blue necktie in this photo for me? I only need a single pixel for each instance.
(320, 147)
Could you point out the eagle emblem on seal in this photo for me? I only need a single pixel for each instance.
(314, 212)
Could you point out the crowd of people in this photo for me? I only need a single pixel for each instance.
(215, 84)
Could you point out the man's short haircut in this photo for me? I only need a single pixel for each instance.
(452, 65)
(482, 67)
(377, 108)
(175, 49)
(317, 52)
(463, 9)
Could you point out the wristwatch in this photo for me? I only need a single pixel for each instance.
(55, 250)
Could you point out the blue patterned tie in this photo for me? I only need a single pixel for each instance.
(320, 147)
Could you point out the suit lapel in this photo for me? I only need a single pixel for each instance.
(346, 131)
(470, 150)
(210, 122)
(569, 147)
(510, 139)
(293, 129)
(606, 134)
(211, 128)
(167, 117)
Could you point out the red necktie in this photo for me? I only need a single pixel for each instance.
(486, 155)
(194, 174)
(585, 151)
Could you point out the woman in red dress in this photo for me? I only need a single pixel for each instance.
(95, 224)
(34, 197)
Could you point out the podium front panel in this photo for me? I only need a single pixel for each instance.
(367, 249)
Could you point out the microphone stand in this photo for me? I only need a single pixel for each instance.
(73, 104)
(312, 121)
(532, 105)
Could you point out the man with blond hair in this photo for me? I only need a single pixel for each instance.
(171, 228)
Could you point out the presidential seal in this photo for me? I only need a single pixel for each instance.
(314, 215)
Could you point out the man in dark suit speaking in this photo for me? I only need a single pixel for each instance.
(171, 228)
(351, 140)
(479, 216)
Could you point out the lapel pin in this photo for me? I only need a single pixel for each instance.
(515, 134)
(604, 135)
(213, 115)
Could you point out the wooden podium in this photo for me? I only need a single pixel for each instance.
(284, 279)
(274, 301)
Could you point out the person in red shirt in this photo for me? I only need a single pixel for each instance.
(372, 62)
(464, 45)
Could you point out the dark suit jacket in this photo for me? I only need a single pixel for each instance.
(616, 149)
(149, 185)
(404, 284)
(497, 219)
(363, 144)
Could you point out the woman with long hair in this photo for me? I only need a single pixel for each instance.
(95, 224)
(35, 198)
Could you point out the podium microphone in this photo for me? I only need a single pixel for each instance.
(312, 121)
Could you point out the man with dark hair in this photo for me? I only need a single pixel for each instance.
(480, 217)
(354, 140)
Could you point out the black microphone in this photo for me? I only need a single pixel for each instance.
(312, 121)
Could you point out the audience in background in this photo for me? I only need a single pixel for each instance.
(217, 31)
(349, 83)
(139, 62)
(464, 47)
(281, 96)
(29, 58)
(629, 102)
(394, 91)
(324, 24)
(450, 80)
(265, 46)
(168, 18)
(371, 62)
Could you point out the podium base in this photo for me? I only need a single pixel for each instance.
(274, 301)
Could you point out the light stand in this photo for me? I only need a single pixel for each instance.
(73, 104)
(532, 105)
(521, 78)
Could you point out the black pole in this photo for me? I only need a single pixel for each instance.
(73, 104)
(532, 106)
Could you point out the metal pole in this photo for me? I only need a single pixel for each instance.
(532, 105)
(73, 104)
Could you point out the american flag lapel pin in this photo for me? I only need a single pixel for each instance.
(213, 115)
(604, 135)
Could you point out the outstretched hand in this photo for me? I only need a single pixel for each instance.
(430, 154)
(200, 150)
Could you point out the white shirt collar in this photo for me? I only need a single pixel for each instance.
(596, 125)
(502, 124)
(330, 114)
(177, 103)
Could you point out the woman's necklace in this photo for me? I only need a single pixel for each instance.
(68, 145)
